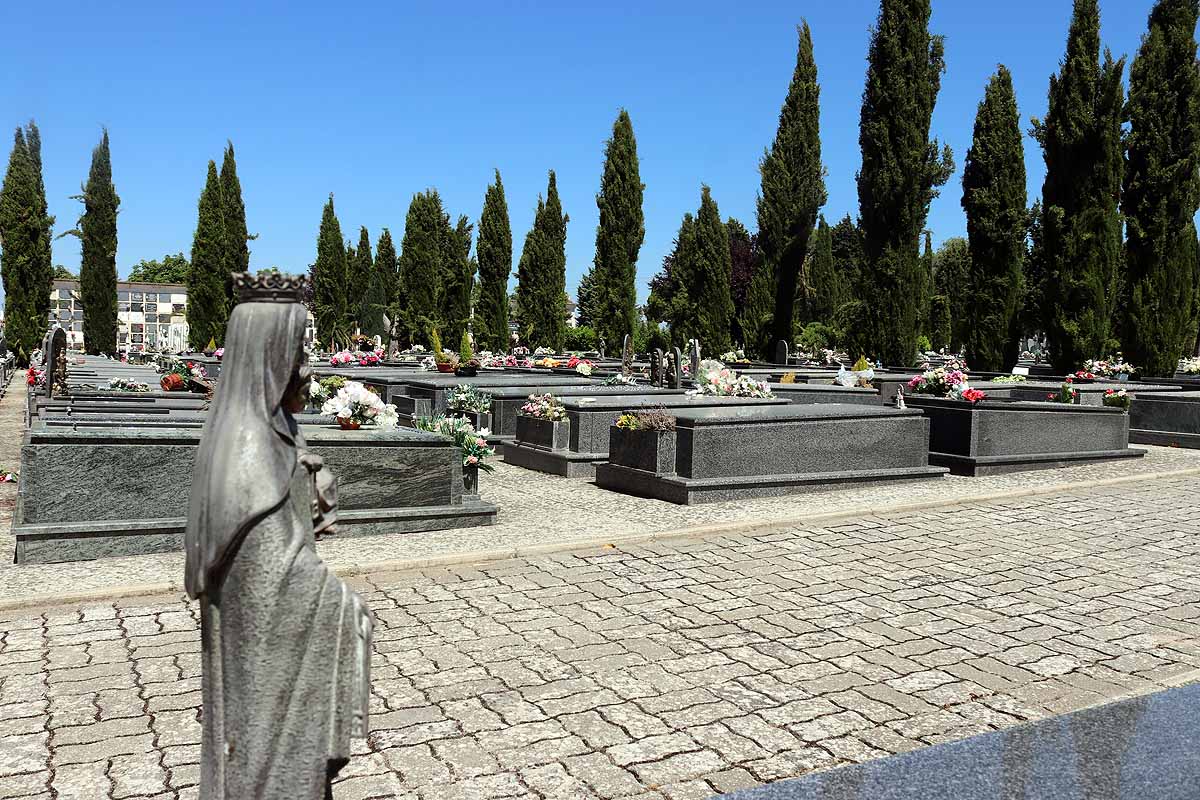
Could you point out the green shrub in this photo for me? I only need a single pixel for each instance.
(582, 338)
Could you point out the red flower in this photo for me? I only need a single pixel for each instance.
(973, 395)
(1051, 396)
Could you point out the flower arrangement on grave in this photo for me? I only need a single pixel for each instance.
(544, 406)
(735, 357)
(860, 375)
(355, 405)
(35, 377)
(342, 358)
(468, 364)
(541, 351)
(1082, 376)
(1065, 394)
(620, 379)
(321, 390)
(520, 351)
(1111, 367)
(446, 362)
(472, 444)
(126, 385)
(580, 365)
(180, 374)
(652, 419)
(1190, 366)
(369, 359)
(219, 353)
(1117, 398)
(1009, 379)
(943, 382)
(719, 381)
(465, 397)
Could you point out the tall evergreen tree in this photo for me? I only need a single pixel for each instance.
(670, 301)
(743, 259)
(951, 279)
(587, 297)
(901, 170)
(236, 234)
(925, 284)
(620, 233)
(380, 288)
(846, 241)
(421, 266)
(494, 250)
(542, 274)
(44, 260)
(358, 292)
(1162, 191)
(756, 318)
(824, 275)
(793, 186)
(329, 281)
(208, 308)
(20, 236)
(1081, 226)
(994, 198)
(456, 280)
(97, 231)
(709, 288)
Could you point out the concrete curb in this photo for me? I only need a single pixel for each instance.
(525, 551)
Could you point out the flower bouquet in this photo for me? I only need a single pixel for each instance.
(369, 360)
(219, 353)
(1118, 398)
(342, 358)
(321, 390)
(472, 444)
(35, 377)
(544, 406)
(126, 385)
(717, 380)
(620, 380)
(861, 374)
(1065, 394)
(943, 382)
(1082, 376)
(181, 376)
(355, 405)
(1190, 366)
(465, 397)
(735, 357)
(1113, 367)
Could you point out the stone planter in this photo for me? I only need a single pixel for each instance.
(543, 433)
(650, 451)
(478, 419)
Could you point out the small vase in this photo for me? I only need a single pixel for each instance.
(349, 424)
(445, 368)
(470, 479)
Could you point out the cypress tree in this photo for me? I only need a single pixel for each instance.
(381, 288)
(793, 186)
(421, 266)
(542, 273)
(669, 290)
(824, 276)
(709, 286)
(759, 311)
(43, 259)
(939, 321)
(925, 284)
(744, 258)
(994, 198)
(901, 170)
(358, 292)
(494, 250)
(97, 232)
(587, 298)
(207, 306)
(1162, 191)
(620, 233)
(329, 281)
(234, 209)
(20, 235)
(456, 280)
(951, 279)
(848, 256)
(1081, 226)
(527, 278)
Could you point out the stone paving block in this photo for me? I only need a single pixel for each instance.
(85, 781)
(136, 775)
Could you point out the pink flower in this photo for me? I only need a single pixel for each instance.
(480, 443)
(472, 460)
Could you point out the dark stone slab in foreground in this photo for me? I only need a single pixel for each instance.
(1140, 749)
(1170, 419)
(742, 452)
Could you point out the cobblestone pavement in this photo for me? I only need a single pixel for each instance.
(538, 510)
(668, 670)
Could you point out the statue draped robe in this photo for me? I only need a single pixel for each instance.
(286, 656)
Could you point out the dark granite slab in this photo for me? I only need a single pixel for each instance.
(1139, 749)
(1168, 419)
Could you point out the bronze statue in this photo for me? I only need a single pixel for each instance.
(286, 644)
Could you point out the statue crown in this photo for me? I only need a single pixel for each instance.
(269, 287)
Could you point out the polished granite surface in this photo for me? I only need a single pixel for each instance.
(1147, 748)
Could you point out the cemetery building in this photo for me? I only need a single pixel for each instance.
(150, 316)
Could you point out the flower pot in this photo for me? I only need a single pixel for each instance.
(543, 433)
(470, 480)
(466, 372)
(650, 451)
(349, 424)
(445, 368)
(172, 382)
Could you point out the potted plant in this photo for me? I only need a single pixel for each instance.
(472, 445)
(472, 405)
(183, 376)
(1118, 398)
(1065, 394)
(542, 422)
(354, 405)
(945, 382)
(446, 362)
(468, 364)
(645, 441)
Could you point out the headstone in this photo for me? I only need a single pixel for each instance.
(656, 368)
(603, 345)
(276, 623)
(56, 363)
(676, 368)
(627, 357)
(781, 352)
(695, 358)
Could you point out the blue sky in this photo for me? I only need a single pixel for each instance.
(374, 101)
